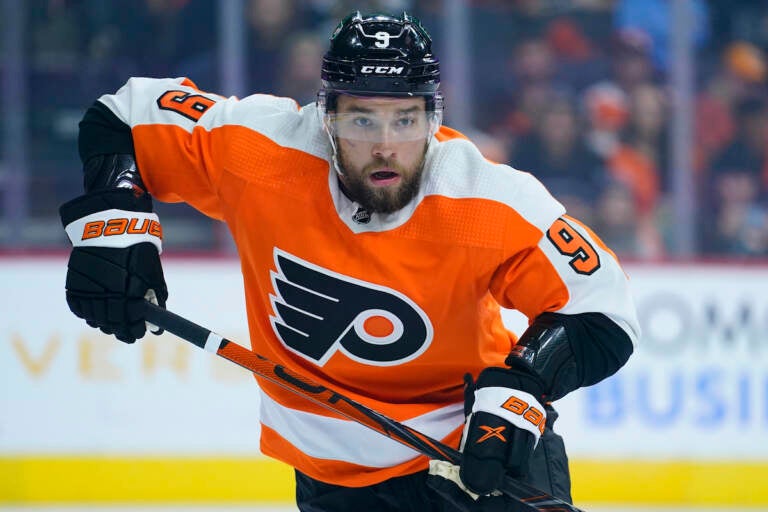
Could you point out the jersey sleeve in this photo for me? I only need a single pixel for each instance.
(182, 137)
(176, 158)
(569, 271)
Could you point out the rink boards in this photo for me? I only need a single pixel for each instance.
(84, 418)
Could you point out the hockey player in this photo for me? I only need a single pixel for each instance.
(377, 248)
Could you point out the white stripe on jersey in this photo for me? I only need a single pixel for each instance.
(336, 439)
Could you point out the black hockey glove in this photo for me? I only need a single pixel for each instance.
(115, 260)
(505, 420)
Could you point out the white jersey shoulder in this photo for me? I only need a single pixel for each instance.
(278, 118)
(138, 101)
(457, 169)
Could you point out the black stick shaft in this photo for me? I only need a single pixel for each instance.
(206, 339)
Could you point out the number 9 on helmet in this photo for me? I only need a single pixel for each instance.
(381, 55)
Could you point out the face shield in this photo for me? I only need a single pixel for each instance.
(376, 127)
(373, 127)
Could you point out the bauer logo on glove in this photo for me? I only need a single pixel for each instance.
(122, 226)
(115, 228)
(529, 413)
(516, 408)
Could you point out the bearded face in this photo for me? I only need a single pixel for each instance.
(381, 146)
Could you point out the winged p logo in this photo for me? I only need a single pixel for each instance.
(318, 312)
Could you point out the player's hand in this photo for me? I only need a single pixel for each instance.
(443, 478)
(115, 260)
(505, 420)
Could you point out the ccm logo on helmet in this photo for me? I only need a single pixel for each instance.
(382, 70)
(122, 226)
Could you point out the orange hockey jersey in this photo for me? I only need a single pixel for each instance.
(390, 310)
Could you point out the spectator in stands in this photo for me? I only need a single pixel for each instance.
(647, 131)
(157, 34)
(740, 74)
(607, 111)
(298, 77)
(739, 186)
(616, 215)
(577, 60)
(630, 58)
(738, 223)
(511, 110)
(749, 149)
(556, 152)
(271, 24)
(624, 134)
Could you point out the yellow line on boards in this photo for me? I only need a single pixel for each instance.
(130, 480)
(26, 480)
(711, 483)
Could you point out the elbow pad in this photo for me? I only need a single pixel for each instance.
(112, 171)
(571, 351)
(106, 149)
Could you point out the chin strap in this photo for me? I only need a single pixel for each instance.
(334, 153)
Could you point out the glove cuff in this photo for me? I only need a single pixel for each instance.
(513, 378)
(105, 199)
(111, 218)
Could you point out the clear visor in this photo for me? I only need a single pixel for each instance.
(377, 127)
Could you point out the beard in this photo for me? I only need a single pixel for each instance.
(381, 199)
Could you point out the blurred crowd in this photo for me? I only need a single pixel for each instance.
(576, 92)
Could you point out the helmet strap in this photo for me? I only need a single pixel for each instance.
(334, 150)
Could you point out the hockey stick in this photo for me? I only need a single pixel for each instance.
(535, 499)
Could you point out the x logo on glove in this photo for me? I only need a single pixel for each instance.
(491, 432)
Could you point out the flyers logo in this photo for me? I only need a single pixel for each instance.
(319, 312)
(122, 226)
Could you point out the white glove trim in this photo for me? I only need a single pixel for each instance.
(519, 408)
(116, 228)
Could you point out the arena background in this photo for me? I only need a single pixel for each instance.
(648, 118)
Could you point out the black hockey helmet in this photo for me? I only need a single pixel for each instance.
(380, 55)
